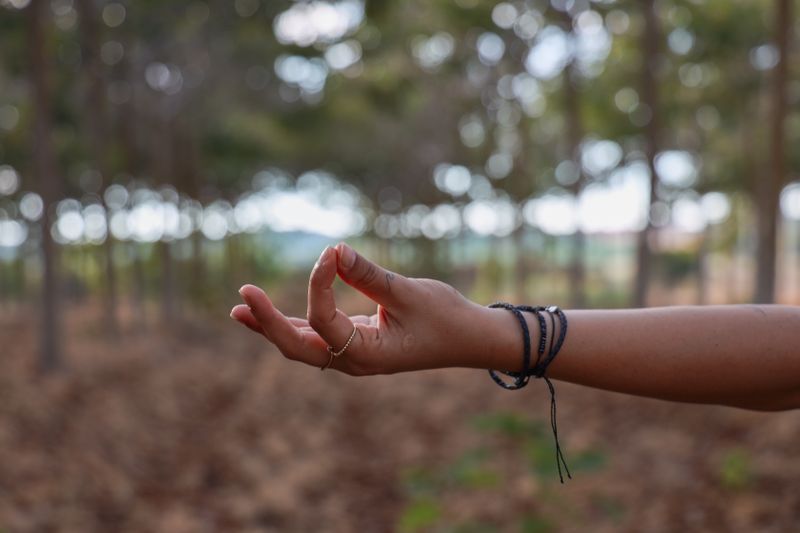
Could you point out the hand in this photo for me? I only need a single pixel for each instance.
(419, 323)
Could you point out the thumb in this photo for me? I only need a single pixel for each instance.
(377, 283)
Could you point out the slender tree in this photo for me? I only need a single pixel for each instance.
(769, 186)
(96, 115)
(44, 168)
(574, 134)
(651, 39)
(163, 166)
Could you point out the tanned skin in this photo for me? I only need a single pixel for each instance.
(744, 356)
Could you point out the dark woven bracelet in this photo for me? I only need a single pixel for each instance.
(537, 311)
(520, 378)
(539, 369)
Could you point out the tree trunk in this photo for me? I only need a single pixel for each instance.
(577, 266)
(44, 167)
(139, 294)
(768, 187)
(188, 173)
(21, 279)
(650, 44)
(96, 115)
(163, 166)
(198, 269)
(168, 308)
(576, 271)
(703, 288)
(5, 285)
(521, 264)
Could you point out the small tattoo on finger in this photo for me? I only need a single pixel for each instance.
(389, 278)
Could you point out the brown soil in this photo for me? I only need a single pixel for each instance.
(203, 427)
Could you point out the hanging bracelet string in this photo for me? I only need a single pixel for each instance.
(521, 378)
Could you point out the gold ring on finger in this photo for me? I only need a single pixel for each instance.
(334, 354)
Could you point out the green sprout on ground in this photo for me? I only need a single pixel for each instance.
(529, 440)
(735, 470)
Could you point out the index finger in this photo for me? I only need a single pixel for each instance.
(331, 324)
(293, 343)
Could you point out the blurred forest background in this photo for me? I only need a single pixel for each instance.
(155, 156)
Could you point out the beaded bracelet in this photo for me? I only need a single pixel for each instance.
(540, 367)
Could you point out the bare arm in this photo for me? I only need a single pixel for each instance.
(739, 355)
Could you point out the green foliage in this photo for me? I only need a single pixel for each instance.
(607, 296)
(504, 433)
(469, 471)
(536, 524)
(470, 527)
(540, 455)
(419, 482)
(536, 443)
(587, 461)
(389, 121)
(675, 266)
(419, 515)
(508, 424)
(735, 470)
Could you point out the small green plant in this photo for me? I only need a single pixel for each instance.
(419, 481)
(471, 527)
(536, 524)
(509, 424)
(419, 514)
(735, 471)
(470, 472)
(588, 461)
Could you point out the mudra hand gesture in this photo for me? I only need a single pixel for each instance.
(738, 355)
(419, 323)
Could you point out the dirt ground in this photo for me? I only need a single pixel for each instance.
(203, 427)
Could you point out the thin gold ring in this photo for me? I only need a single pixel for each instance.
(334, 354)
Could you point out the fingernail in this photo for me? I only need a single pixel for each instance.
(348, 256)
(231, 315)
(244, 296)
(323, 257)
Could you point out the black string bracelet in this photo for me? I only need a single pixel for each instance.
(521, 378)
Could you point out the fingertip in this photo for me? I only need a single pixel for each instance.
(322, 257)
(239, 311)
(333, 256)
(248, 287)
(252, 294)
(324, 271)
(346, 255)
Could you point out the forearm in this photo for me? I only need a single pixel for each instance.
(740, 355)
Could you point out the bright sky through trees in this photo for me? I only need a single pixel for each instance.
(615, 202)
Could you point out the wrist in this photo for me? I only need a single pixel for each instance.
(500, 342)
